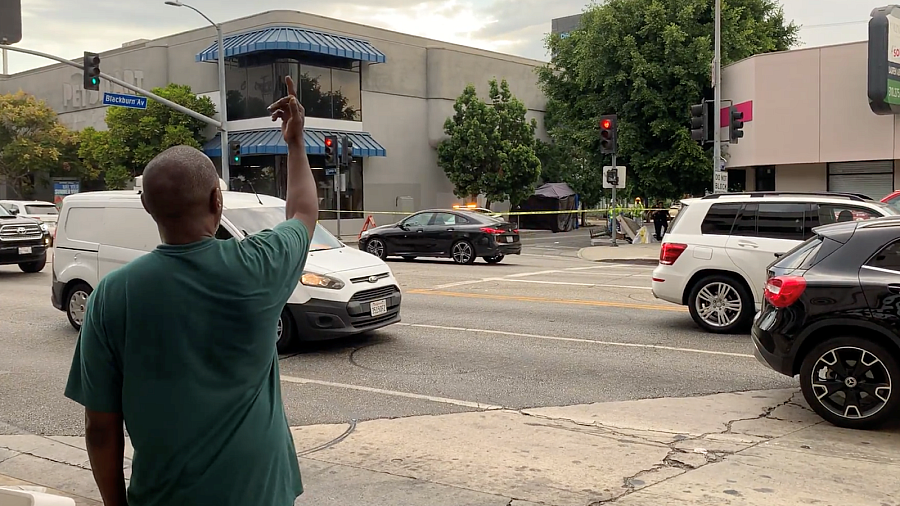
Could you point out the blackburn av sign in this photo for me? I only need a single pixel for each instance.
(884, 60)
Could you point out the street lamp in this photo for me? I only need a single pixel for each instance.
(223, 95)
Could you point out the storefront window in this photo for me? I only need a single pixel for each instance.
(351, 194)
(326, 90)
(255, 173)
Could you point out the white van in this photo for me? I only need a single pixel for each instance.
(343, 291)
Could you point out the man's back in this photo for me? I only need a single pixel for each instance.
(187, 334)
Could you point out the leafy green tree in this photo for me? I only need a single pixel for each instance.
(134, 136)
(34, 145)
(648, 61)
(490, 148)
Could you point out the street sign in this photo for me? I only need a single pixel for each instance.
(621, 172)
(720, 182)
(122, 100)
(721, 164)
(330, 172)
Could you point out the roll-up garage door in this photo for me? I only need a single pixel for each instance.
(873, 179)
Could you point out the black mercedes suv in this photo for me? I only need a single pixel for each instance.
(23, 242)
(832, 315)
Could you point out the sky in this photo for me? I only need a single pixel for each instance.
(65, 28)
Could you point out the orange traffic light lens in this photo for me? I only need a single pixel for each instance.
(606, 123)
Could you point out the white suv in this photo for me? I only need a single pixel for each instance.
(715, 256)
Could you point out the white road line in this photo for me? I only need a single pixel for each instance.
(608, 266)
(460, 283)
(395, 393)
(510, 277)
(539, 282)
(577, 340)
(538, 273)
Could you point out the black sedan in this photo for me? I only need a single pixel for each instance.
(832, 315)
(460, 235)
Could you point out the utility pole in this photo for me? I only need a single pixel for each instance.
(615, 221)
(717, 99)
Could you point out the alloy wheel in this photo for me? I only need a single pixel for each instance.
(78, 306)
(718, 304)
(851, 382)
(462, 252)
(279, 329)
(375, 247)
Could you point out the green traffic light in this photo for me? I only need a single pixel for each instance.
(94, 80)
(237, 158)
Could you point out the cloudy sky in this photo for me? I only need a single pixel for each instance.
(67, 28)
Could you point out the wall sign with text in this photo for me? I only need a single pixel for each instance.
(884, 60)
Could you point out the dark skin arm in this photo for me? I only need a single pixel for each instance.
(302, 199)
(105, 438)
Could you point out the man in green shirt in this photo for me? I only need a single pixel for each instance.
(179, 345)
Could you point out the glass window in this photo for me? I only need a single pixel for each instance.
(781, 221)
(351, 191)
(418, 220)
(446, 219)
(719, 219)
(887, 258)
(746, 222)
(5, 209)
(346, 101)
(41, 209)
(836, 213)
(256, 173)
(260, 90)
(236, 86)
(315, 91)
(802, 256)
(252, 220)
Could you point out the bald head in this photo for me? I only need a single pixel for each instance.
(181, 189)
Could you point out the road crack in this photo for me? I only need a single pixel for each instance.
(48, 459)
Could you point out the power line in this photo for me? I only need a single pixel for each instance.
(833, 25)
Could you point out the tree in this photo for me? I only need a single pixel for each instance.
(34, 145)
(648, 61)
(490, 148)
(134, 136)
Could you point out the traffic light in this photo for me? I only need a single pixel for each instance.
(330, 145)
(91, 71)
(735, 125)
(608, 133)
(346, 152)
(234, 148)
(700, 130)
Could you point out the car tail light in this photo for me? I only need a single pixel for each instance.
(490, 230)
(516, 231)
(782, 291)
(670, 252)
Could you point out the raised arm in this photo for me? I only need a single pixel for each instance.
(302, 197)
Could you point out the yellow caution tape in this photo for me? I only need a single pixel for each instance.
(511, 213)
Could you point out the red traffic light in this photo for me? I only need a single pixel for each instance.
(606, 123)
(328, 141)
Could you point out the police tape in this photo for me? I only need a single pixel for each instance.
(505, 213)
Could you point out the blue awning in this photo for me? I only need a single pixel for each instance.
(271, 142)
(294, 39)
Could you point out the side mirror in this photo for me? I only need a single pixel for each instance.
(779, 255)
(402, 226)
(14, 211)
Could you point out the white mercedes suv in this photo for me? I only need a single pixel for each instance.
(715, 256)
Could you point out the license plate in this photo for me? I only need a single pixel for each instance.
(25, 250)
(509, 238)
(379, 307)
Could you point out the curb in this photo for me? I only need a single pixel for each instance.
(648, 261)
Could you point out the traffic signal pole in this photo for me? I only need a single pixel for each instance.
(717, 99)
(168, 103)
(615, 219)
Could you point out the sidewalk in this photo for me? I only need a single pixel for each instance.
(645, 254)
(761, 448)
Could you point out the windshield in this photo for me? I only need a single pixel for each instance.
(251, 220)
(888, 210)
(4, 212)
(41, 209)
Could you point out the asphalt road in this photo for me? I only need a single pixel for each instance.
(542, 329)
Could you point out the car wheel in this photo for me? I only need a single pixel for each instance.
(720, 304)
(496, 259)
(409, 258)
(463, 252)
(285, 332)
(848, 381)
(36, 266)
(376, 247)
(76, 304)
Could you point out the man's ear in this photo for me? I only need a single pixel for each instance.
(215, 201)
(144, 202)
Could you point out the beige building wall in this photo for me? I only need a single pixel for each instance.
(801, 177)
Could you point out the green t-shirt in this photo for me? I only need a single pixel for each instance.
(181, 341)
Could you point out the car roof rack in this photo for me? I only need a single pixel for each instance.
(852, 196)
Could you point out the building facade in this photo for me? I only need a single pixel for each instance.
(808, 125)
(389, 92)
(562, 26)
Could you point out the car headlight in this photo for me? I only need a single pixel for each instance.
(321, 281)
(45, 228)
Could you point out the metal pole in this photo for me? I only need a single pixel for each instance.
(223, 106)
(717, 118)
(337, 193)
(184, 110)
(614, 231)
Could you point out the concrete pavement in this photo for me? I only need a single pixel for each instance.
(761, 448)
(645, 254)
